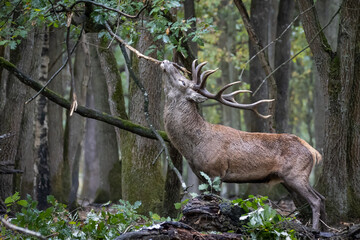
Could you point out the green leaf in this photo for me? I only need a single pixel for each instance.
(203, 187)
(12, 199)
(206, 177)
(177, 205)
(23, 203)
(155, 217)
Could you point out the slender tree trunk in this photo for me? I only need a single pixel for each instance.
(75, 125)
(101, 150)
(25, 57)
(282, 76)
(59, 178)
(117, 108)
(43, 188)
(259, 17)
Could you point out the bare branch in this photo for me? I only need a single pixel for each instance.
(20, 229)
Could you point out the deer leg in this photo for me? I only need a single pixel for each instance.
(322, 207)
(304, 189)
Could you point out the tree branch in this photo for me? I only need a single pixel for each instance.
(20, 229)
(81, 110)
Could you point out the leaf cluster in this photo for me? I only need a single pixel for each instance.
(261, 221)
(212, 185)
(58, 223)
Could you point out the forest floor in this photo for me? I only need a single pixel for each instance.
(204, 217)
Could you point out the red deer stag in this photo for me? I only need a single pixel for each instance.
(235, 156)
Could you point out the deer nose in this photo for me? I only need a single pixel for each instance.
(162, 66)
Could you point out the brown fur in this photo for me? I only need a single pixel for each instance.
(236, 156)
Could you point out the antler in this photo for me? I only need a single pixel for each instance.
(226, 99)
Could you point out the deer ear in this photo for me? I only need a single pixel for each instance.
(196, 97)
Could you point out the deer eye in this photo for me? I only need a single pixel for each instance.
(182, 82)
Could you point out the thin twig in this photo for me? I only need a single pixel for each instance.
(58, 71)
(122, 42)
(302, 50)
(20, 229)
(158, 155)
(111, 9)
(333, 229)
(147, 115)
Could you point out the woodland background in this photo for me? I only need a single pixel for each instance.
(111, 154)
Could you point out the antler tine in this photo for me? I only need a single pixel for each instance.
(204, 77)
(219, 94)
(230, 96)
(197, 71)
(193, 70)
(260, 115)
(226, 99)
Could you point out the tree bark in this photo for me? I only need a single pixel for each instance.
(259, 17)
(75, 125)
(101, 150)
(339, 76)
(59, 175)
(142, 178)
(43, 188)
(282, 76)
(117, 108)
(25, 56)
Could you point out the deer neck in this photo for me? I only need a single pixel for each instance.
(183, 123)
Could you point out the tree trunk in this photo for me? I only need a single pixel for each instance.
(340, 80)
(43, 188)
(142, 178)
(26, 57)
(282, 76)
(75, 125)
(117, 108)
(260, 16)
(101, 151)
(59, 175)
(325, 9)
